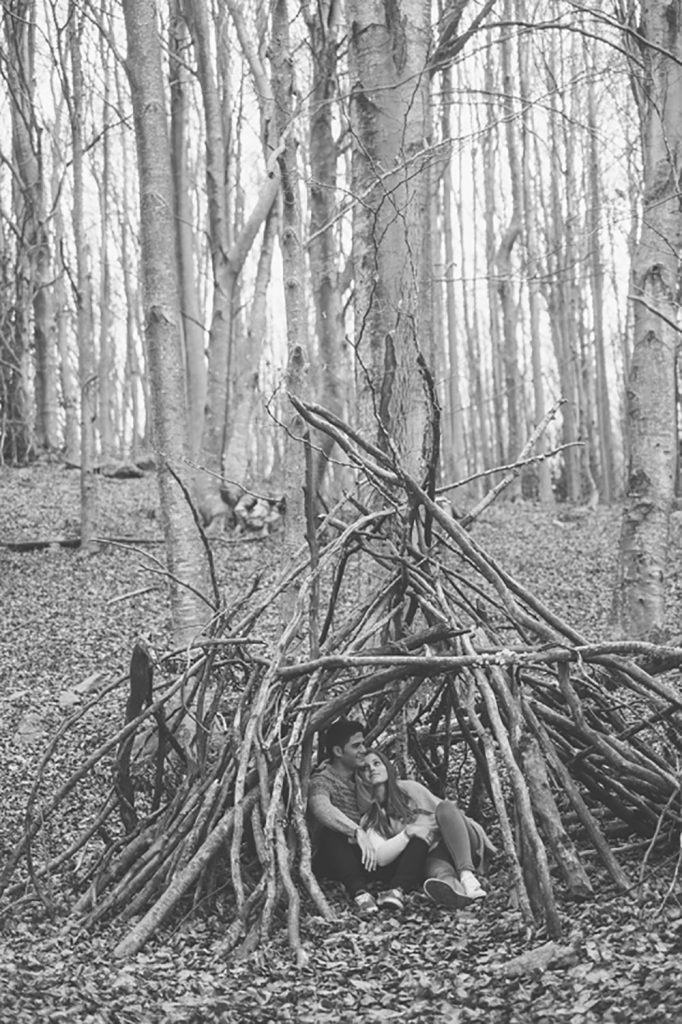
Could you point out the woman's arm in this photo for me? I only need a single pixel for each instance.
(422, 797)
(387, 850)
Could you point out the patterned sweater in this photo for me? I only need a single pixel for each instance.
(332, 801)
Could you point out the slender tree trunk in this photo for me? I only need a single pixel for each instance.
(651, 399)
(505, 280)
(86, 361)
(107, 365)
(242, 462)
(559, 305)
(247, 429)
(456, 456)
(323, 246)
(63, 324)
(545, 494)
(293, 264)
(162, 317)
(479, 449)
(17, 434)
(574, 307)
(192, 326)
(219, 240)
(29, 185)
(227, 257)
(595, 211)
(490, 175)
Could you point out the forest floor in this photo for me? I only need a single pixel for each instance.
(68, 619)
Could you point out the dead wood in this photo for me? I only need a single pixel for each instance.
(444, 654)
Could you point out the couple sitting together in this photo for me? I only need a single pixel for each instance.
(371, 829)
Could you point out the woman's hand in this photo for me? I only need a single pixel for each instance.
(414, 829)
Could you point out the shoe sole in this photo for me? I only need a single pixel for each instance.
(367, 910)
(445, 895)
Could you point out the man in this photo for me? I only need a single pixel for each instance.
(344, 851)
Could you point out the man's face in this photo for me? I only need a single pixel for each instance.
(352, 756)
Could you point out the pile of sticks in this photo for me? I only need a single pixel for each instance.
(399, 618)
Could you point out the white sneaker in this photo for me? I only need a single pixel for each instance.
(446, 892)
(471, 885)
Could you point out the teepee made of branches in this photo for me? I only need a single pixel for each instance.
(402, 619)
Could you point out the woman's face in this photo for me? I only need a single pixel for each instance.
(375, 770)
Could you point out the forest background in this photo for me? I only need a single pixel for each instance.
(489, 187)
(409, 213)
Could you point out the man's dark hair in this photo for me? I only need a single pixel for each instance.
(340, 732)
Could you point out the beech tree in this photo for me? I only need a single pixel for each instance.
(82, 294)
(190, 603)
(651, 396)
(391, 124)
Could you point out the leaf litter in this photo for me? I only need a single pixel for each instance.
(63, 633)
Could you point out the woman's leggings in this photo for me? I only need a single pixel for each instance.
(457, 843)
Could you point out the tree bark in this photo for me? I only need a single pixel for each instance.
(192, 325)
(184, 552)
(323, 246)
(219, 241)
(651, 400)
(456, 456)
(29, 201)
(544, 484)
(505, 280)
(86, 360)
(390, 120)
(595, 210)
(294, 269)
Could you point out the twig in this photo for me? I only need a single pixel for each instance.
(489, 498)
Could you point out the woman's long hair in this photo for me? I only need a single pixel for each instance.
(396, 810)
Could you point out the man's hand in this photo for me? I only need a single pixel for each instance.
(369, 857)
(420, 832)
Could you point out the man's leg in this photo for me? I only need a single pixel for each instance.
(340, 860)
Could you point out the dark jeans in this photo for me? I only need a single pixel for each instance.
(340, 860)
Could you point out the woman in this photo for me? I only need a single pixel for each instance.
(399, 810)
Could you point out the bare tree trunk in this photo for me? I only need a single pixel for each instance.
(505, 281)
(575, 306)
(242, 459)
(457, 456)
(489, 150)
(545, 494)
(192, 326)
(293, 265)
(63, 325)
(391, 252)
(651, 400)
(107, 389)
(86, 361)
(595, 207)
(227, 256)
(479, 448)
(162, 318)
(559, 304)
(219, 241)
(20, 32)
(246, 359)
(323, 247)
